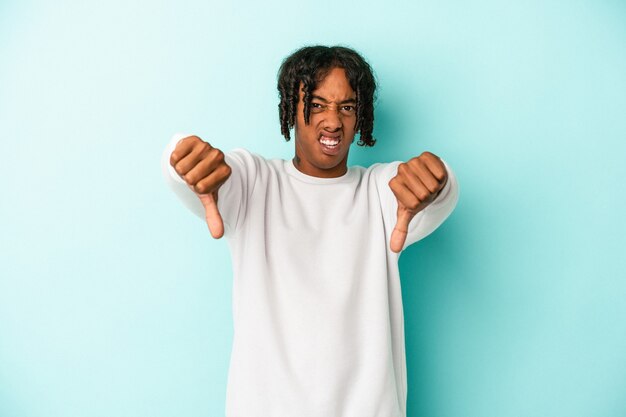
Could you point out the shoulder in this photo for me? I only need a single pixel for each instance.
(382, 172)
(245, 159)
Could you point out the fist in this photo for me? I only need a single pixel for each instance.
(416, 185)
(204, 170)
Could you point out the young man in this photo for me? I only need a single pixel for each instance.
(317, 303)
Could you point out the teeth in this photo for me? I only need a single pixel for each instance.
(329, 141)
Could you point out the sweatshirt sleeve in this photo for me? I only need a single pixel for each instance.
(231, 196)
(427, 220)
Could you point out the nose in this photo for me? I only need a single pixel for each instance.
(332, 120)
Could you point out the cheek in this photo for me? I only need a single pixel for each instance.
(309, 130)
(306, 136)
(350, 125)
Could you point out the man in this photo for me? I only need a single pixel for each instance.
(317, 303)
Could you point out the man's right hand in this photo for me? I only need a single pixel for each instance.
(204, 170)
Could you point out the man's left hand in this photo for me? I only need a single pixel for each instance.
(417, 184)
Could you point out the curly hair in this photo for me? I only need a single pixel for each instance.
(309, 65)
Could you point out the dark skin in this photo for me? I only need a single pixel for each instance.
(332, 116)
(417, 183)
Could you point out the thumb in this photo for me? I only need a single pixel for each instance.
(212, 214)
(398, 236)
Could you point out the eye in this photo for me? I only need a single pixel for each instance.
(348, 110)
(317, 107)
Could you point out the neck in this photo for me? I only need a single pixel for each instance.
(312, 171)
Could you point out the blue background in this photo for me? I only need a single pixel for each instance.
(115, 301)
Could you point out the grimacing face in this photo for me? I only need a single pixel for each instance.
(322, 146)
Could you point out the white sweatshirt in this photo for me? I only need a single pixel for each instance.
(317, 303)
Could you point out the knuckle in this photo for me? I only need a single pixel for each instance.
(179, 168)
(413, 204)
(429, 156)
(190, 179)
(201, 188)
(432, 185)
(227, 170)
(423, 195)
(419, 163)
(192, 138)
(216, 154)
(189, 139)
(204, 146)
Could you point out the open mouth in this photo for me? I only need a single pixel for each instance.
(330, 144)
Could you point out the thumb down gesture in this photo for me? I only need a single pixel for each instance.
(204, 170)
(416, 185)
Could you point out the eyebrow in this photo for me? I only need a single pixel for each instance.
(350, 100)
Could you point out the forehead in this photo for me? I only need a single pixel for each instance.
(334, 86)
